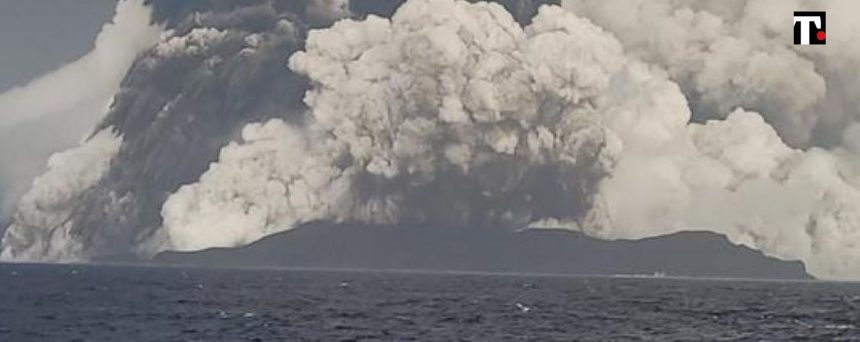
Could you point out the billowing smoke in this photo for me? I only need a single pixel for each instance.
(723, 56)
(218, 67)
(325, 12)
(453, 113)
(41, 227)
(448, 114)
(797, 204)
(59, 109)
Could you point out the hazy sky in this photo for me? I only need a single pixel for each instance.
(37, 36)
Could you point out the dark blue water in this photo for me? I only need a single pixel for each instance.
(86, 303)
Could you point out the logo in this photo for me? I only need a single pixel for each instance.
(809, 28)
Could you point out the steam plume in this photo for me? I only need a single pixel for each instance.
(41, 228)
(215, 69)
(453, 114)
(455, 93)
(790, 203)
(448, 113)
(57, 110)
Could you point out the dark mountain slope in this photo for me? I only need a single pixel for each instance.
(319, 245)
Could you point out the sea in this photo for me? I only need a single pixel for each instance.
(132, 303)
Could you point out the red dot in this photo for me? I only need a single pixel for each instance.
(821, 35)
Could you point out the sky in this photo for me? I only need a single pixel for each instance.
(45, 34)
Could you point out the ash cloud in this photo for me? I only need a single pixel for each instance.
(58, 110)
(218, 67)
(177, 108)
(791, 200)
(448, 114)
(739, 54)
(677, 134)
(41, 228)
(453, 113)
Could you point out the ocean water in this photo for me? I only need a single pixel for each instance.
(111, 303)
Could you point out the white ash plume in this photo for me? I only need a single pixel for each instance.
(59, 109)
(41, 230)
(448, 114)
(455, 93)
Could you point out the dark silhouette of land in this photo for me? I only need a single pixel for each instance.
(323, 245)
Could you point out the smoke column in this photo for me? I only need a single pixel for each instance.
(41, 219)
(451, 113)
(402, 107)
(59, 109)
(215, 69)
(795, 203)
